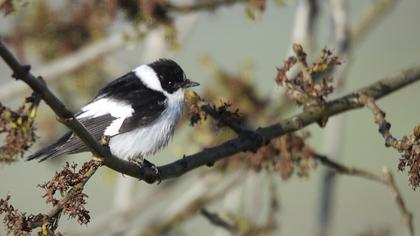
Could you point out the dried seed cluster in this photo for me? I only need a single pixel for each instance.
(19, 126)
(312, 84)
(61, 183)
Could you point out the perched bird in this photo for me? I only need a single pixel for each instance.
(137, 112)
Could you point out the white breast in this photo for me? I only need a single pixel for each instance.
(147, 140)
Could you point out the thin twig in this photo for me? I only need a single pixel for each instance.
(216, 220)
(207, 108)
(407, 215)
(342, 169)
(384, 125)
(386, 179)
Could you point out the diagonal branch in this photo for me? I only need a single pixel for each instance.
(216, 220)
(22, 72)
(177, 168)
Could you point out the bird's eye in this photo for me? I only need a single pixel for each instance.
(170, 82)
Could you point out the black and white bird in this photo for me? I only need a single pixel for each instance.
(138, 112)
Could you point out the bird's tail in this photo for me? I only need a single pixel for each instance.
(54, 150)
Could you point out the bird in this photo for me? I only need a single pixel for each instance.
(137, 112)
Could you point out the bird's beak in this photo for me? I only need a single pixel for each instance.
(188, 84)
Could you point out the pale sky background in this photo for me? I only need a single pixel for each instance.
(229, 38)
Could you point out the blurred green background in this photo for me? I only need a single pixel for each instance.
(230, 38)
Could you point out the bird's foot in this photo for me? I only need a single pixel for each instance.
(98, 160)
(104, 141)
(154, 167)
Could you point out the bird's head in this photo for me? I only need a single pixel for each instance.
(170, 76)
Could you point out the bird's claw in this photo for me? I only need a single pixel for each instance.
(98, 160)
(104, 141)
(147, 163)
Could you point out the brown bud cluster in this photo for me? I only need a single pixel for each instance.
(60, 185)
(313, 83)
(13, 219)
(7, 7)
(194, 112)
(17, 223)
(19, 126)
(198, 110)
(286, 155)
(410, 156)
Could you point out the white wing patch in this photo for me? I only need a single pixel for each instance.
(105, 106)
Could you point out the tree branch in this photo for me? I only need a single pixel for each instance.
(210, 155)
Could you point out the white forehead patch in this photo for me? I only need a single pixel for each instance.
(148, 76)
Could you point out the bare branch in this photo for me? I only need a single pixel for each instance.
(206, 107)
(407, 215)
(216, 220)
(408, 146)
